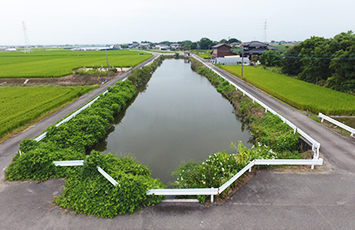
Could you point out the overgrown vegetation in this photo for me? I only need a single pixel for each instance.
(274, 139)
(87, 191)
(300, 94)
(21, 105)
(96, 72)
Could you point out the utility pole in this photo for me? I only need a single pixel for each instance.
(242, 62)
(108, 68)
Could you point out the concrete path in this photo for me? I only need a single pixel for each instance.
(320, 199)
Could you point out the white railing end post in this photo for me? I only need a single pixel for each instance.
(212, 196)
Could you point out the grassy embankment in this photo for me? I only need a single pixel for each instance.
(58, 63)
(22, 106)
(300, 94)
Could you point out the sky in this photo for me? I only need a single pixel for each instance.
(117, 21)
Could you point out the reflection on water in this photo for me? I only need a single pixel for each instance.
(177, 117)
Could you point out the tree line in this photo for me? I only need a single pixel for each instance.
(204, 43)
(326, 62)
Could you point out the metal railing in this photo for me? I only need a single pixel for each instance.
(81, 163)
(43, 135)
(216, 191)
(315, 144)
(337, 123)
(202, 191)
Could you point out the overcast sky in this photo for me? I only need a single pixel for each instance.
(123, 21)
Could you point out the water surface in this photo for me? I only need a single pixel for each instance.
(178, 117)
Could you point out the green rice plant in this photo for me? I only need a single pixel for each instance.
(62, 62)
(21, 105)
(300, 94)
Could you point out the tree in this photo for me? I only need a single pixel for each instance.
(231, 40)
(193, 46)
(223, 41)
(270, 58)
(205, 43)
(329, 62)
(290, 63)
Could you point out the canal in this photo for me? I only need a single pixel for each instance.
(178, 117)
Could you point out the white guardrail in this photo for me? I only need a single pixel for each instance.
(335, 122)
(43, 135)
(216, 191)
(81, 163)
(315, 144)
(203, 191)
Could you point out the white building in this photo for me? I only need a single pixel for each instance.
(232, 60)
(10, 50)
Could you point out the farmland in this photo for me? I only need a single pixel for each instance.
(298, 93)
(57, 63)
(22, 105)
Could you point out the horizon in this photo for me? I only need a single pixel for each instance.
(77, 22)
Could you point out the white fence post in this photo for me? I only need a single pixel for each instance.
(337, 123)
(212, 196)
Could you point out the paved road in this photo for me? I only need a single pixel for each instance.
(269, 201)
(321, 199)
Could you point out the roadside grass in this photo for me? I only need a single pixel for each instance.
(205, 55)
(23, 106)
(349, 121)
(300, 94)
(58, 63)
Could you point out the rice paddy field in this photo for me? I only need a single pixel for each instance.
(300, 94)
(58, 63)
(20, 106)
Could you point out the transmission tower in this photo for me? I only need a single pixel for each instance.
(264, 37)
(27, 40)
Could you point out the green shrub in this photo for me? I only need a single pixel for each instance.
(90, 193)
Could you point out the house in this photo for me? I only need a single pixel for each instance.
(162, 47)
(234, 44)
(255, 48)
(144, 46)
(175, 46)
(221, 50)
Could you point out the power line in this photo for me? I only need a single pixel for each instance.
(313, 57)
